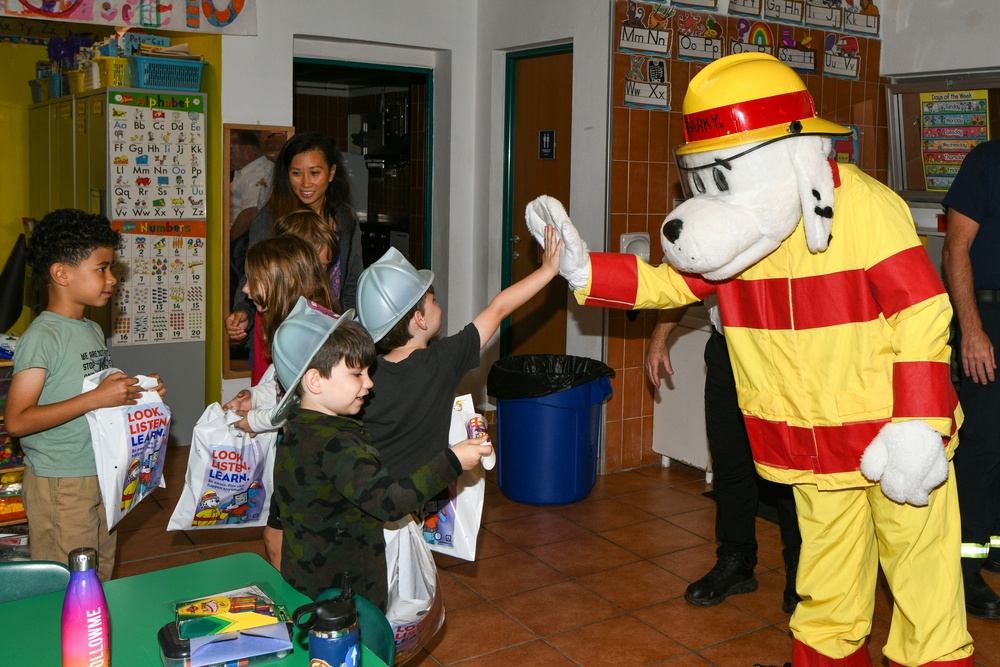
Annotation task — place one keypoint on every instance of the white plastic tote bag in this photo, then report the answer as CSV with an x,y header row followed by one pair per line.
x,y
130,442
415,609
229,479
454,528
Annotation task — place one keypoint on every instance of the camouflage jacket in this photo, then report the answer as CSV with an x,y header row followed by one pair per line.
x,y
333,495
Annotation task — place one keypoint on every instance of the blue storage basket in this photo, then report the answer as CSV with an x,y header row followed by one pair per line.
x,y
166,73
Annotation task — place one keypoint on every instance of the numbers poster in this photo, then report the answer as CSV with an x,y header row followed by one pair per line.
x,y
156,144
160,296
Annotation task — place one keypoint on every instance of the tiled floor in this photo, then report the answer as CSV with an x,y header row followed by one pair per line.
x,y
597,583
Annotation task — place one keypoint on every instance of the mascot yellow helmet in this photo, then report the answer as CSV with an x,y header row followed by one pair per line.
x,y
748,98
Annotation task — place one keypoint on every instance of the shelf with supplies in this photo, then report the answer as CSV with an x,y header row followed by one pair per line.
x,y
11,461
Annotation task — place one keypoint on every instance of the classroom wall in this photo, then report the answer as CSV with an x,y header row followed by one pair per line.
x,y
18,66
939,36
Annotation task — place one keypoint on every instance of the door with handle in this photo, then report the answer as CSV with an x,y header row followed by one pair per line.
x,y
539,125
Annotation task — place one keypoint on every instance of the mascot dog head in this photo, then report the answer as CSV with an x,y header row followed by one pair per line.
x,y
755,162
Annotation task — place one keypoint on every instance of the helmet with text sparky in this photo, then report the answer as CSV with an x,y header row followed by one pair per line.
x,y
748,98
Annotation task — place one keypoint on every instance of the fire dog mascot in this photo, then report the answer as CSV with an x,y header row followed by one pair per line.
x,y
837,326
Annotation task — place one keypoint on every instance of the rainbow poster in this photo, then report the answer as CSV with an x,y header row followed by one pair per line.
x,y
752,37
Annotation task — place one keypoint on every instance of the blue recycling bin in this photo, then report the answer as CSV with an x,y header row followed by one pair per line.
x,y
548,421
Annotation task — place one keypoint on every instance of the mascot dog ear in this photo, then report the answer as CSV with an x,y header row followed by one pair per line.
x,y
815,185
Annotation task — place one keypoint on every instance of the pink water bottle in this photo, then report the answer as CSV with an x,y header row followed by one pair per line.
x,y
86,625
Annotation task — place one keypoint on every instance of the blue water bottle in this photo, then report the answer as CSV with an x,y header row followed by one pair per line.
x,y
334,638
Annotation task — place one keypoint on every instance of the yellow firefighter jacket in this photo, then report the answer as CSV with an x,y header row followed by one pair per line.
x,y
826,348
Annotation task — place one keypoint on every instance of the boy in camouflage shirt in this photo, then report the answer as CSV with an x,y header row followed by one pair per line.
x,y
332,491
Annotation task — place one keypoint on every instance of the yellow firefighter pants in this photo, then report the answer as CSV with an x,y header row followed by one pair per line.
x,y
845,534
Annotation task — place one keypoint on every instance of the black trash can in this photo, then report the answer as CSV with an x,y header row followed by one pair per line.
x,y
548,419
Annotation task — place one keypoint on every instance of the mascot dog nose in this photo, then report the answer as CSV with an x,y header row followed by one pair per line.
x,y
672,229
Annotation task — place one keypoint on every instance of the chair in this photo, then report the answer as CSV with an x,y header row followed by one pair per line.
x,y
21,579
376,632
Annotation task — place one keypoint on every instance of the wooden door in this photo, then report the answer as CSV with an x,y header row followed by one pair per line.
x,y
542,116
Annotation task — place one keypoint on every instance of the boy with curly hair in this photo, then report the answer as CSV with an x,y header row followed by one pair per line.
x,y
71,253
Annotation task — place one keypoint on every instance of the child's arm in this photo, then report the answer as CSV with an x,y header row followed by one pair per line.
x,y
24,416
515,296
355,471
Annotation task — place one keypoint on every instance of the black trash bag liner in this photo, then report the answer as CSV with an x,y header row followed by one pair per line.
x,y
535,375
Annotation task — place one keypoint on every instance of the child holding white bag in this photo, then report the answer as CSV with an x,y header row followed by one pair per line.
x,y
71,252
279,269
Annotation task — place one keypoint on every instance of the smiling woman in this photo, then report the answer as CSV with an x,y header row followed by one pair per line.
x,y
249,160
308,175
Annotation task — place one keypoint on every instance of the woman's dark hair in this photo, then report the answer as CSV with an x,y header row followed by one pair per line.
x,y
68,235
283,199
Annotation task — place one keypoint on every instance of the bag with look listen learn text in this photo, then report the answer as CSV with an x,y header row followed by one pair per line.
x,y
130,442
229,479
453,527
415,609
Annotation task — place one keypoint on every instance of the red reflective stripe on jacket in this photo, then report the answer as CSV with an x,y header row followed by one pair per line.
x,y
700,287
923,389
821,449
614,280
816,301
897,288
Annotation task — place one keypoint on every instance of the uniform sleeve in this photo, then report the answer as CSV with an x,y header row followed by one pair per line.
x,y
356,472
913,301
626,282
971,191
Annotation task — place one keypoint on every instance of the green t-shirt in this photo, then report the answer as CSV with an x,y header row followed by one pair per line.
x,y
69,350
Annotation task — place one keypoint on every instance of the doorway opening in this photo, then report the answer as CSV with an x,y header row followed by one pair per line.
x,y
380,116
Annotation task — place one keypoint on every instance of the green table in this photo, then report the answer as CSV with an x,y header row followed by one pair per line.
x,y
139,607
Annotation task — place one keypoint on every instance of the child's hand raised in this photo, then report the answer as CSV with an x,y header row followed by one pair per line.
x,y
117,389
470,451
553,247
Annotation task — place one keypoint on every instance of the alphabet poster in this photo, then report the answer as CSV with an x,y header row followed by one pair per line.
x,y
156,143
652,34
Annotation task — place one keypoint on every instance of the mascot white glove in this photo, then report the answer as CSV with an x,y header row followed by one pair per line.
x,y
908,459
574,261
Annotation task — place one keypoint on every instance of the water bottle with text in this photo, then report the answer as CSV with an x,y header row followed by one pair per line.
x,y
86,624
